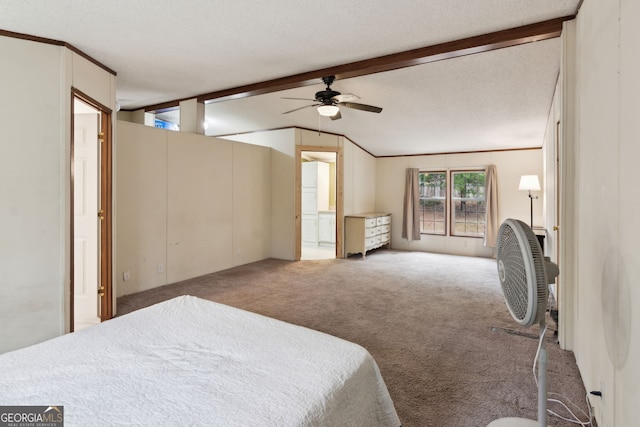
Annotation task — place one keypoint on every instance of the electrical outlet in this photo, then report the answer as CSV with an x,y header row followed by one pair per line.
x,y
125,276
160,268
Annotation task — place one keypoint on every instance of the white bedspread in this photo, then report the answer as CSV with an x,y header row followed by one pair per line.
x,y
189,361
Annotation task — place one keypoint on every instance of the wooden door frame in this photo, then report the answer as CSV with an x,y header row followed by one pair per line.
x,y
339,195
106,204
556,225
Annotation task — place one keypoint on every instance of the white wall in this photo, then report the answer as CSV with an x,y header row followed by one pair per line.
x,y
283,187
141,207
549,152
32,211
252,207
199,205
187,205
622,311
512,203
607,262
359,179
35,82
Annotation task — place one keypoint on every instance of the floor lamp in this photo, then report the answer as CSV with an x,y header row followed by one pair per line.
x,y
530,183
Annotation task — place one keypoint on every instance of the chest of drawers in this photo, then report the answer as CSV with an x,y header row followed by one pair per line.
x,y
366,231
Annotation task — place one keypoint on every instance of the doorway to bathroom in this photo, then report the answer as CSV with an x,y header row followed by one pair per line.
x,y
318,196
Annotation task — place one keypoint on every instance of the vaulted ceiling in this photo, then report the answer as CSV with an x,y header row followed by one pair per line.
x,y
450,75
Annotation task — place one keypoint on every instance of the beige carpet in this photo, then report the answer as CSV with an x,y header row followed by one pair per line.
x,y
427,319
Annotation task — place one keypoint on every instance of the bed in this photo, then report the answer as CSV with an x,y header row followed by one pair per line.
x,y
189,361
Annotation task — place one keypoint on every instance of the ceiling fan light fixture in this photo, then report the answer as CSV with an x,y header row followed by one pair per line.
x,y
328,110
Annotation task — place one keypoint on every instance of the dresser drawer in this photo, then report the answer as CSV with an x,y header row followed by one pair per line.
x,y
384,229
382,239
370,242
382,220
370,222
370,232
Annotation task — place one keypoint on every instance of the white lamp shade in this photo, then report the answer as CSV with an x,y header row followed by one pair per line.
x,y
529,182
328,110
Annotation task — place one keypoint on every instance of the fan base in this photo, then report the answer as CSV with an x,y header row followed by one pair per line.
x,y
514,422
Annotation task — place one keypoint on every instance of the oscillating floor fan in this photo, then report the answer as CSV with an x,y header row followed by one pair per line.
x,y
524,276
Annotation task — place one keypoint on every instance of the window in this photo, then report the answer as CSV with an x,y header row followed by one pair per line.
x,y
460,192
433,195
468,204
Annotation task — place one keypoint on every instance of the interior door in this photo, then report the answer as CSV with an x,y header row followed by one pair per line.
x,y
91,163
105,285
86,239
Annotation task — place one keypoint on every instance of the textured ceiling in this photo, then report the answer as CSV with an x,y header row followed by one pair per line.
x,y
166,50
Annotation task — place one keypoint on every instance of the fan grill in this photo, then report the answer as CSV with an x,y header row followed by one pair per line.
x,y
511,266
522,272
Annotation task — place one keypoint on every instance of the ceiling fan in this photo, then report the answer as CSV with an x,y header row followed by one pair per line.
x,y
328,101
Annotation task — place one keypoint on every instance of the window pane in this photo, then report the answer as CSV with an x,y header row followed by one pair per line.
x,y
468,204
433,192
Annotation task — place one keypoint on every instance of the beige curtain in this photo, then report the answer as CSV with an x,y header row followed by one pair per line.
x,y
411,211
491,200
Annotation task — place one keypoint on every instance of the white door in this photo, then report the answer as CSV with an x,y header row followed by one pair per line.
x,y
85,205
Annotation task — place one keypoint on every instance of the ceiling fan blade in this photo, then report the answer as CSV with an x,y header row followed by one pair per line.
x,y
362,107
336,116
345,97
300,108
299,99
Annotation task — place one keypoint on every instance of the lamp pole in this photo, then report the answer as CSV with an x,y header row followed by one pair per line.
x,y
528,183
531,207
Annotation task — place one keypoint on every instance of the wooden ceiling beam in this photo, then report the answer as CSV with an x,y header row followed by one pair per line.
x,y
468,46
